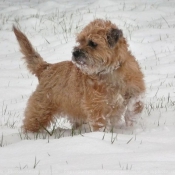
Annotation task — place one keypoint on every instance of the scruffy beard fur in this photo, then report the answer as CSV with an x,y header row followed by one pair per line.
x,y
102,83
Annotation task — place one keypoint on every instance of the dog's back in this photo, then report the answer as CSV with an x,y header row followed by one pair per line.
x,y
35,62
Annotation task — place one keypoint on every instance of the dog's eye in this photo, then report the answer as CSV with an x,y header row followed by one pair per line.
x,y
92,44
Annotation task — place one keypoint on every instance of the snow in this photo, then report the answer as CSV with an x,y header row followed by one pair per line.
x,y
51,26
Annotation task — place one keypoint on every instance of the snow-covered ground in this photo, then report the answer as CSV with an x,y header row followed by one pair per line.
x,y
147,149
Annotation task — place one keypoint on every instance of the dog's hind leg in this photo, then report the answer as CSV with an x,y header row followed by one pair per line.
x,y
39,113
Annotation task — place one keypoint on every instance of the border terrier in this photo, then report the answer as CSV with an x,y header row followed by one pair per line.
x,y
102,83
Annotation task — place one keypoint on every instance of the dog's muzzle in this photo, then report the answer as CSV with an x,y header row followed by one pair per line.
x,y
79,57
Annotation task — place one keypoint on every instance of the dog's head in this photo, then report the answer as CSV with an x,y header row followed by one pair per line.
x,y
99,47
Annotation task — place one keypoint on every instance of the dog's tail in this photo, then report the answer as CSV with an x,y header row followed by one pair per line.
x,y
35,62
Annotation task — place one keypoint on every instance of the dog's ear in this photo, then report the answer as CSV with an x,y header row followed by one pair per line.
x,y
113,36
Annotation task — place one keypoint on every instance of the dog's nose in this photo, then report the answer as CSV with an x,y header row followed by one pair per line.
x,y
76,53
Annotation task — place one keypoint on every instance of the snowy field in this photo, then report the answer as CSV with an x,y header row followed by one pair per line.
x,y
147,149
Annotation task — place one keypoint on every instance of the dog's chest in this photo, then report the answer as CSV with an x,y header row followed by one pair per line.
x,y
104,96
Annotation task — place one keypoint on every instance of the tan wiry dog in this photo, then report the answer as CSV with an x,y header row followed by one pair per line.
x,y
102,83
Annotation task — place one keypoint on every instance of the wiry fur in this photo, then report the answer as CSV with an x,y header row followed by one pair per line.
x,y
35,62
103,81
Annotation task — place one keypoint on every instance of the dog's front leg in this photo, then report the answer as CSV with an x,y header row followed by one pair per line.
x,y
97,123
134,108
